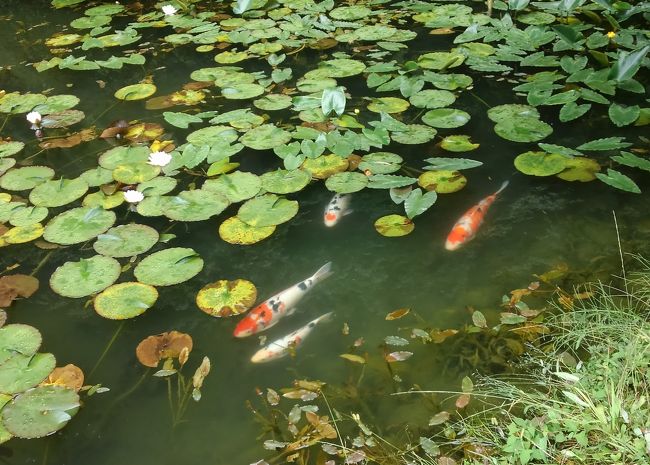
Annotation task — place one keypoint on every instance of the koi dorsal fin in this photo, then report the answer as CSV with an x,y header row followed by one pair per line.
x,y
503,186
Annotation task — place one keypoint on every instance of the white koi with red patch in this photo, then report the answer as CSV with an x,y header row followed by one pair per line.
x,y
281,347
269,312
337,209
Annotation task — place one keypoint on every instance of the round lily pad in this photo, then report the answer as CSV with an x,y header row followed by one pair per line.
x,y
97,176
381,162
235,231
346,183
388,105
85,277
375,32
431,98
540,163
123,154
6,164
21,179
350,13
8,149
196,205
414,134
78,225
57,103
101,200
152,206
104,10
265,137
442,181
18,338
536,18
56,193
458,143
524,129
160,185
213,135
236,187
63,40
169,266
125,300
446,118
315,85
267,210
40,411
270,102
28,216
341,67
441,60
135,91
242,91
126,240
511,110
285,181
89,22
324,166
4,434
394,226
228,57
20,372
134,173
579,169
22,234
227,298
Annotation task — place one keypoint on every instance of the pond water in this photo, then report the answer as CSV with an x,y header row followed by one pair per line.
x,y
535,224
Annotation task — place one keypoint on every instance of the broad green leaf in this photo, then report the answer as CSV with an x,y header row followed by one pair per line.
x,y
417,203
619,180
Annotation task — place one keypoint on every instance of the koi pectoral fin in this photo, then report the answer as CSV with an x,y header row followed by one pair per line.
x,y
291,311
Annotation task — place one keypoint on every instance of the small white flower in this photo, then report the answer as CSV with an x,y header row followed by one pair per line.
x,y
34,117
169,10
159,158
133,196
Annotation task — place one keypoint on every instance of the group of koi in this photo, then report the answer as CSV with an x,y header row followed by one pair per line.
x,y
272,310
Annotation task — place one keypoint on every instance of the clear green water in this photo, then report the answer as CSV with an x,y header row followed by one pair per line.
x,y
535,224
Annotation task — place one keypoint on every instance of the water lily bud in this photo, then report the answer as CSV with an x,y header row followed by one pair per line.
x,y
34,117
200,373
169,10
183,356
133,196
159,159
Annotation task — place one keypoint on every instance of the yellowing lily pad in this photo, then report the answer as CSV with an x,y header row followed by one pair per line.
x,y
540,163
458,143
169,266
388,105
22,234
442,181
226,298
125,300
579,169
324,166
235,231
135,91
394,226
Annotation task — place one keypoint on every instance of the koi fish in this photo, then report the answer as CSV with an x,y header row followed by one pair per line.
x,y
466,227
281,347
337,209
269,312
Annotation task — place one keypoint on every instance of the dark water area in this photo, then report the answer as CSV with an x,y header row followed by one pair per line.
x,y
535,224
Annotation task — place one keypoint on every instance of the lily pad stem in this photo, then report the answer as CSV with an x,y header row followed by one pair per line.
x,y
487,105
42,262
106,349
5,122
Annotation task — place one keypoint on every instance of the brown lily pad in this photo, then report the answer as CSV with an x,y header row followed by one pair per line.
x,y
14,286
70,376
161,346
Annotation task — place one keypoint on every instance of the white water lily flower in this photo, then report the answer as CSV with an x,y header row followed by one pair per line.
x,y
169,10
34,117
133,196
159,158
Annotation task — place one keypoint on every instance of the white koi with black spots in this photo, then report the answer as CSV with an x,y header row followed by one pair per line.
x,y
337,209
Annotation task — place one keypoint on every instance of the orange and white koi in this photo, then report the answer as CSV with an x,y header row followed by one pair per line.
x,y
281,347
269,312
337,209
466,227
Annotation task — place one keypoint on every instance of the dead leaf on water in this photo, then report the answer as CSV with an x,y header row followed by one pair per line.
x,y
353,358
441,31
160,346
462,401
439,418
69,375
440,336
16,285
398,356
397,314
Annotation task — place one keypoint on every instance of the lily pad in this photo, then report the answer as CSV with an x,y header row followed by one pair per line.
x,y
134,173
127,240
226,298
85,277
196,205
511,110
101,200
388,105
56,193
18,339
341,67
446,118
394,226
440,60
135,91
21,179
22,234
285,181
381,162
213,135
157,186
265,137
442,181
62,119
169,266
236,187
267,210
350,13
324,166
10,148
28,216
78,225
579,169
235,231
117,156
540,163
346,183
125,300
97,176
414,134
524,129
458,143
20,372
40,411
242,91
430,98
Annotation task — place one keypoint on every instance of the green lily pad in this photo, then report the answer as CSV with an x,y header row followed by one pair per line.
x,y
346,183
22,234
152,206
125,300
228,57
236,187
285,181
579,169
103,201
267,210
388,105
62,119
6,164
540,163
226,298
126,240
85,277
21,179
235,231
104,10
18,338
510,111
134,173
213,135
375,32
341,67
57,103
157,186
40,411
78,225
97,176
350,13
440,60
196,205
8,149
15,102
242,91
57,193
168,267
458,143
446,118
394,226
431,98
442,181
121,155
449,81
414,134
311,86
63,40
20,372
272,102
536,18
135,91
324,166
265,137
381,162
389,181
28,216
4,434
524,129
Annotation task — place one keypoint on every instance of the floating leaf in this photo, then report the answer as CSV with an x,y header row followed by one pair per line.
x,y
439,418
446,118
442,181
619,180
135,91
226,298
78,225
414,134
388,181
285,181
509,111
267,210
629,159
168,267
126,240
196,205
394,226
430,98
20,372
540,163
398,356
479,319
458,143
622,115
69,376
388,105
18,339
85,277
451,164
21,179
56,193
153,349
10,148
607,143
346,183
417,203
397,314
265,137
524,129
580,169
353,358
235,231
125,300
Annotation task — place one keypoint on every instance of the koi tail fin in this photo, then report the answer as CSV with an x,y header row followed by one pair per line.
x,y
323,272
503,186
326,317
